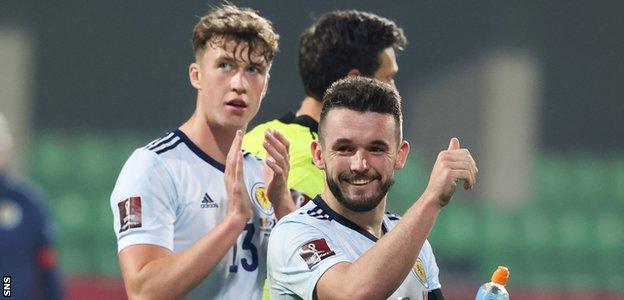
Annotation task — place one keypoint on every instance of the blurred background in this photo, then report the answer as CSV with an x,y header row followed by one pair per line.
x,y
532,88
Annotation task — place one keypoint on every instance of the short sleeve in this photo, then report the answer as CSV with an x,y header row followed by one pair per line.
x,y
431,267
298,255
143,202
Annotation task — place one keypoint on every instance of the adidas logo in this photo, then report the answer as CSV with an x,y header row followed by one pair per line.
x,y
207,202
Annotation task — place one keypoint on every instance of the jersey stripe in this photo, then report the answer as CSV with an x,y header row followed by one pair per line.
x,y
160,144
318,213
175,144
154,142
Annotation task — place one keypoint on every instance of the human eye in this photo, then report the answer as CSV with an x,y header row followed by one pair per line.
x,y
225,65
344,149
255,69
378,149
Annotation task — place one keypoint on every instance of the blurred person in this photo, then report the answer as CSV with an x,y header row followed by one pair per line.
x,y
342,244
27,253
192,212
337,44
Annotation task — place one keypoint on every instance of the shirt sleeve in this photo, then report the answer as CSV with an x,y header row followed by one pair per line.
x,y
298,255
431,267
144,202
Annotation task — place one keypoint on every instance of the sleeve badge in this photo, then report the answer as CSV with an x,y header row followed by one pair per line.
x,y
314,252
130,213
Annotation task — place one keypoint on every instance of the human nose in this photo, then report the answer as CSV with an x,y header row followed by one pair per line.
x,y
237,82
358,162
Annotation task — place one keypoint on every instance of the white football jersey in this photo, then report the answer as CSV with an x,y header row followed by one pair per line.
x,y
170,193
307,242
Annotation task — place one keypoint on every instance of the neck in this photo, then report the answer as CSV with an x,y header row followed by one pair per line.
x,y
310,107
370,221
212,139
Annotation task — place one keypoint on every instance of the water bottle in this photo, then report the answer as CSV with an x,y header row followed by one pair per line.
x,y
495,289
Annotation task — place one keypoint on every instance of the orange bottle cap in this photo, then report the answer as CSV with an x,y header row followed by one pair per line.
x,y
501,275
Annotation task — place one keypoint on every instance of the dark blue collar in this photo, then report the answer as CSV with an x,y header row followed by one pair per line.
x,y
344,221
219,166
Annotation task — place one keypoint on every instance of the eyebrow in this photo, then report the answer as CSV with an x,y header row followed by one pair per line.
x,y
379,143
229,58
343,141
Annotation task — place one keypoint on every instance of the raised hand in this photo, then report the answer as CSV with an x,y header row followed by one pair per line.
x,y
451,166
238,198
277,166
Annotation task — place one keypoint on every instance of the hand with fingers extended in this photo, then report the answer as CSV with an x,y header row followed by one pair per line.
x,y
277,166
451,166
239,203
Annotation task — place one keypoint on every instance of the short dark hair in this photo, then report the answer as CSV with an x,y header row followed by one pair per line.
x,y
363,94
244,25
339,41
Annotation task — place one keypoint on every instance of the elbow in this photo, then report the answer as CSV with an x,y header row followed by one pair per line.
x,y
138,290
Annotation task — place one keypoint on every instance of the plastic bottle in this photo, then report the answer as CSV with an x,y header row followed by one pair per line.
x,y
495,289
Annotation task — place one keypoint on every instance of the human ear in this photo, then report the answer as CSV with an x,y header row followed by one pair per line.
x,y
195,75
402,153
317,154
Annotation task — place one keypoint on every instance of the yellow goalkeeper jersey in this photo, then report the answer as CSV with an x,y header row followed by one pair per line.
x,y
305,180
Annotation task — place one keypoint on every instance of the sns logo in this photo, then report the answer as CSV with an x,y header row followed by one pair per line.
x,y
6,286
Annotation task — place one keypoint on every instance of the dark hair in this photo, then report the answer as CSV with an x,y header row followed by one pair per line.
x,y
244,25
340,41
363,94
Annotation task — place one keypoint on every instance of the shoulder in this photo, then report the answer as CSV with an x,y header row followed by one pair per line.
x,y
153,152
147,165
309,215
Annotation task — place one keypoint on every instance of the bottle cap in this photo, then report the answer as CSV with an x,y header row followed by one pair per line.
x,y
501,275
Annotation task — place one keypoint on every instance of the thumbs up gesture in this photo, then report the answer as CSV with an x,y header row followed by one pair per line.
x,y
453,165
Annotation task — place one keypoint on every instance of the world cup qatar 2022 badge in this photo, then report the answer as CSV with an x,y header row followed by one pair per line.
x,y
130,213
314,252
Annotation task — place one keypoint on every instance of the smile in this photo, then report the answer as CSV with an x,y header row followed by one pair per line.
x,y
360,181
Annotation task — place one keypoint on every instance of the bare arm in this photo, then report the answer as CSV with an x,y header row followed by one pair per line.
x,y
395,253
154,272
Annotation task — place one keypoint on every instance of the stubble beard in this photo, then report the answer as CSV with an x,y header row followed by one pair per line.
x,y
362,203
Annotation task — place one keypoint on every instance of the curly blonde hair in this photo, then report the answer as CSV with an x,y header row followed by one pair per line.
x,y
243,25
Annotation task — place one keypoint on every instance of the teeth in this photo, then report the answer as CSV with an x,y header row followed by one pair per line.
x,y
361,181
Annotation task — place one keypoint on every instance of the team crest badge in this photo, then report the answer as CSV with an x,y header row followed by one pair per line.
x,y
260,199
419,268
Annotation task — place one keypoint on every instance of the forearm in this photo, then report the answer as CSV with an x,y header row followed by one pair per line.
x,y
172,276
284,206
393,255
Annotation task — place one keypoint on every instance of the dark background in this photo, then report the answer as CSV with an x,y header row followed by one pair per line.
x,y
122,65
